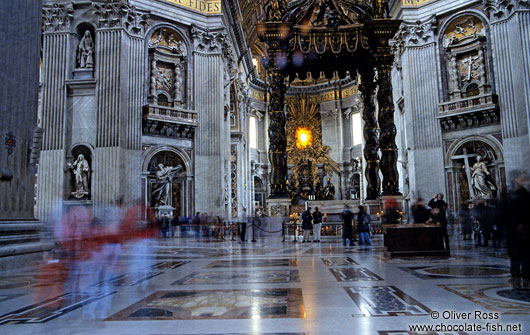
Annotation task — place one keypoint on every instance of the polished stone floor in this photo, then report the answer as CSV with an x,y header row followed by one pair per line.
x,y
269,287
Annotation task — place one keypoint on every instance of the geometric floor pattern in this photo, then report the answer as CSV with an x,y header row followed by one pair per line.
x,y
201,287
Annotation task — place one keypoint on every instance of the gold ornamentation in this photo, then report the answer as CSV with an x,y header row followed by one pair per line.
x,y
303,114
208,7
304,138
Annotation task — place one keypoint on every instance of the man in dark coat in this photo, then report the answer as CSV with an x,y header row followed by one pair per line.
x,y
420,213
347,225
307,225
317,224
363,224
514,217
436,217
438,202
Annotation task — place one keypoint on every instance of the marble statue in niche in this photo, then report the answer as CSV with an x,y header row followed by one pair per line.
x,y
164,176
483,187
85,52
179,84
162,77
329,190
81,170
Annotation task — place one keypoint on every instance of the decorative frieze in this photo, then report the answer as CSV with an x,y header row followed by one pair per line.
x,y
58,18
502,9
119,14
413,34
213,41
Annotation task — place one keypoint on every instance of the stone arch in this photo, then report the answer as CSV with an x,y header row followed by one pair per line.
x,y
490,140
152,152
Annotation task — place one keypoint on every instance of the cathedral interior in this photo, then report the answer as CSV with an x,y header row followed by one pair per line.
x,y
280,167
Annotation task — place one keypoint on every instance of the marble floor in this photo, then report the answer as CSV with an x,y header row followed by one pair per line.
x,y
270,287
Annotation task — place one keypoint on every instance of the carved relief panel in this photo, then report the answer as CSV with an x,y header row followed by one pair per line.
x,y
466,58
167,56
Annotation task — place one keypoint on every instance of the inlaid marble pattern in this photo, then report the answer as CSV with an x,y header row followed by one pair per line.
x,y
216,304
240,277
426,259
129,279
342,251
458,271
354,274
164,265
338,261
497,297
385,301
254,263
49,309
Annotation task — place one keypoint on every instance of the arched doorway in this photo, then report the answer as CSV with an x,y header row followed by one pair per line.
x,y
259,192
463,158
180,187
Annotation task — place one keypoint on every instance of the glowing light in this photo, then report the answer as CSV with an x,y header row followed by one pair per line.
x,y
304,138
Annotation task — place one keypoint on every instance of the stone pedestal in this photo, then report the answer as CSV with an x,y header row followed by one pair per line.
x,y
278,207
414,240
83,74
164,211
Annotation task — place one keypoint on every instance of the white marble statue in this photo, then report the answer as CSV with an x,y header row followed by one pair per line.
x,y
85,52
81,171
482,186
164,175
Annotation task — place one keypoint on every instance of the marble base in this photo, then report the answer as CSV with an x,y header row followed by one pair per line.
x,y
278,207
83,73
164,211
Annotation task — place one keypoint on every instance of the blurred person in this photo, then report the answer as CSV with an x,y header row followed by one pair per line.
x,y
436,217
391,214
184,223
317,225
205,225
484,216
196,224
514,217
465,216
51,280
163,225
363,224
420,213
243,225
307,224
438,202
347,225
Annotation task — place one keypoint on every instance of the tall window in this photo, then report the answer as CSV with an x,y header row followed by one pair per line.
x,y
357,131
253,132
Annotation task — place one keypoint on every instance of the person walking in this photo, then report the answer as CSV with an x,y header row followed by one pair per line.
x,y
514,219
363,224
306,225
317,225
347,225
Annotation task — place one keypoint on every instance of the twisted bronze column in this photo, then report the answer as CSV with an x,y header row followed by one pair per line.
x,y
371,145
277,137
389,150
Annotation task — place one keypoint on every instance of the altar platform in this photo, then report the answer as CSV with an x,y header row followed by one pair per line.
x,y
414,240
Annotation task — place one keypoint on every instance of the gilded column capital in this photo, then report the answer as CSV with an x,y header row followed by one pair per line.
x,y
121,15
503,9
58,17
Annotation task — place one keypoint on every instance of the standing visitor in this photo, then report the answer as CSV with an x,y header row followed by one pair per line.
x,y
347,225
363,224
420,213
514,216
438,218
466,220
243,224
317,225
306,225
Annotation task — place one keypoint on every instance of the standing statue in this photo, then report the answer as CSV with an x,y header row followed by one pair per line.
x,y
85,52
164,175
480,180
329,191
179,84
81,171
